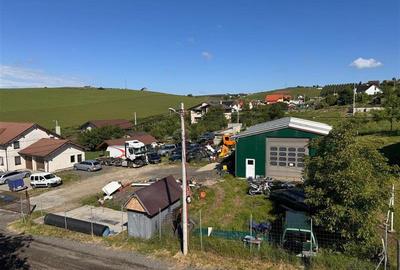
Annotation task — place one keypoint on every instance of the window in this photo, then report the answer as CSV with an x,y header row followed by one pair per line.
x,y
72,159
17,160
79,157
1,161
274,148
250,162
49,176
16,145
273,153
301,149
282,148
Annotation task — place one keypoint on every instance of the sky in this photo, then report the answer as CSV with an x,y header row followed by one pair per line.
x,y
197,47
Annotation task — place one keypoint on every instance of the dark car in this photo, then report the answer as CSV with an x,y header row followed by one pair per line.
x,y
154,158
175,156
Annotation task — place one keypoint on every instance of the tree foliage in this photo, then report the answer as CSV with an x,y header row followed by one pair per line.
x,y
391,103
212,121
347,187
260,114
92,138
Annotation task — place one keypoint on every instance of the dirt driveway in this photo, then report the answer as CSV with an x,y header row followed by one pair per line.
x,y
68,197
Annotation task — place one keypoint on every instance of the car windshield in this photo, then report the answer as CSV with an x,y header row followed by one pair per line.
x,y
96,163
49,176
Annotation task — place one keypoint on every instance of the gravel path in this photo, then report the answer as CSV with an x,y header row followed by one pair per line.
x,y
69,196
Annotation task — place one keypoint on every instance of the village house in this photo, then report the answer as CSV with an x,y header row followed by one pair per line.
x,y
30,146
370,88
275,98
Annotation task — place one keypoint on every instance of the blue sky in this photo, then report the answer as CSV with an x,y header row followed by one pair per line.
x,y
198,47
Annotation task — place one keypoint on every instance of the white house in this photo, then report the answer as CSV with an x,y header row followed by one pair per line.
x,y
17,138
198,111
370,88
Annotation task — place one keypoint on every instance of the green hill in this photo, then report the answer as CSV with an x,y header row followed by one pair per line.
x,y
74,106
293,91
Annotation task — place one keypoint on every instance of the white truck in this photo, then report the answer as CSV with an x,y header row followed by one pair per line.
x,y
133,154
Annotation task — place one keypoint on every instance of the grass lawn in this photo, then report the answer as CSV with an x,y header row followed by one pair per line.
x,y
74,106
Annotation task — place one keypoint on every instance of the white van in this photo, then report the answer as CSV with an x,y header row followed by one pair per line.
x,y
44,180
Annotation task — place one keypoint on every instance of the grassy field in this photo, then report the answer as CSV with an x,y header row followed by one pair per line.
x,y
293,91
74,106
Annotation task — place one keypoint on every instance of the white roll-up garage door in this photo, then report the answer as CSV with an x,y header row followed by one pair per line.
x,y
285,158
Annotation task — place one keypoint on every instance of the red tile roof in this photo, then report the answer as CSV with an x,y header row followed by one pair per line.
x,y
276,97
12,130
122,123
45,146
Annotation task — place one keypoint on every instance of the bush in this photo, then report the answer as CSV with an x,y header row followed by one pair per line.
x,y
92,138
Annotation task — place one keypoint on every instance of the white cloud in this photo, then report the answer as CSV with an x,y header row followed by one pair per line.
x,y
207,55
14,76
361,63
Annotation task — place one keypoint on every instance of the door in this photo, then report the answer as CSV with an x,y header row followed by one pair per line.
x,y
28,162
250,168
40,164
285,158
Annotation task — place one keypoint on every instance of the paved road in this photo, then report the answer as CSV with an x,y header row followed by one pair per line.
x,y
27,252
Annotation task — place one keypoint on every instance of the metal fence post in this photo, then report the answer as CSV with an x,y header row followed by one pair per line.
x,y
386,247
159,223
91,220
122,218
251,229
22,211
201,234
398,255
65,218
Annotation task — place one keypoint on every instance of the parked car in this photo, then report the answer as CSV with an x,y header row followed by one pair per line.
x,y
166,149
154,158
88,165
176,156
4,177
44,180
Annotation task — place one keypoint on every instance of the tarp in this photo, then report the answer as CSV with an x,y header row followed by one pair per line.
x,y
111,187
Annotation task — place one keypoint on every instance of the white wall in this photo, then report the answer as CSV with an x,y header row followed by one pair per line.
x,y
61,160
24,142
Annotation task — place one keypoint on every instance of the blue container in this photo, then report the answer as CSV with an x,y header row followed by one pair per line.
x,y
16,184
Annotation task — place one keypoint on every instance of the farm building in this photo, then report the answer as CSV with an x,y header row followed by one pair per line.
x,y
150,205
116,147
122,123
276,148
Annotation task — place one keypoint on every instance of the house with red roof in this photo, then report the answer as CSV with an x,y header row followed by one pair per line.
x,y
275,98
33,147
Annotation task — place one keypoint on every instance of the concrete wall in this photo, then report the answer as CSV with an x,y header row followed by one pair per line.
x,y
142,226
61,159
30,138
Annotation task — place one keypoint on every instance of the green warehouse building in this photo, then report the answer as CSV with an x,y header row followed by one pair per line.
x,y
276,148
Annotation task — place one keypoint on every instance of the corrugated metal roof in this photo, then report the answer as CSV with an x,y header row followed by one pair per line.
x,y
287,122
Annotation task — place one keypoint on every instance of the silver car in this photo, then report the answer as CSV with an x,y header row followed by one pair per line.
x,y
4,177
166,150
88,165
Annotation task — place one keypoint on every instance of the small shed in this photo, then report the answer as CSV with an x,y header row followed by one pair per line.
x,y
149,205
276,148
